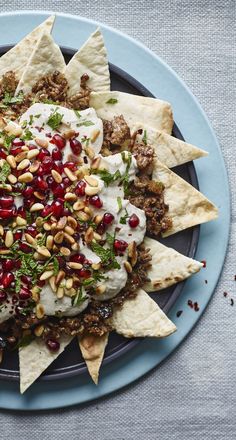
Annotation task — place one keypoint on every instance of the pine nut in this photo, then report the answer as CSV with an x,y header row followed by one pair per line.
x,y
42,250
75,247
6,187
9,239
68,134
11,161
60,276
65,251
20,221
59,237
79,205
69,230
39,311
94,135
70,292
31,154
91,191
25,178
47,226
4,251
100,289
69,283
49,242
30,239
39,195
97,236
1,230
35,293
70,175
23,164
25,148
95,163
98,219
72,222
69,238
43,143
53,227
96,266
128,267
90,152
91,181
12,179
13,130
74,265
89,235
70,197
39,222
62,222
45,275
56,176
36,207
82,216
38,331
52,283
34,167
132,253
21,156
60,292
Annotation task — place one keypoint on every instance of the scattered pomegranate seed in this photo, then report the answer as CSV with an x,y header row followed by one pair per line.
x,y
3,154
53,345
108,218
28,192
59,190
62,262
8,213
41,283
76,146
78,258
24,294
31,230
96,201
8,265
71,165
46,211
40,171
66,181
59,141
26,280
7,279
84,273
17,142
3,296
134,221
47,164
21,212
6,201
43,153
24,247
120,245
18,234
56,154
57,208
101,228
80,188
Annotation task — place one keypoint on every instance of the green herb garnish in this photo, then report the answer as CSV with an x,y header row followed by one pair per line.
x,y
112,101
79,298
27,136
77,114
9,99
106,176
124,218
7,142
85,123
56,266
4,172
25,340
119,203
55,120
145,137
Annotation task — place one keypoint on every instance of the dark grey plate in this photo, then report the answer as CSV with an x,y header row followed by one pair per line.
x,y
70,362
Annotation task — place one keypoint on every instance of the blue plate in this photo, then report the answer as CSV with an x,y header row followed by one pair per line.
x,y
154,74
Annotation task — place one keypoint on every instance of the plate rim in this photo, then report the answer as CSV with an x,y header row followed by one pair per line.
x,y
50,399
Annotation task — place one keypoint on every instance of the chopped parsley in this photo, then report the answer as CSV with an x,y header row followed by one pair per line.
x,y
27,136
85,123
124,218
10,100
79,298
55,120
127,158
119,203
107,256
68,206
4,172
25,340
42,240
106,176
112,101
50,101
7,142
56,266
77,114
145,137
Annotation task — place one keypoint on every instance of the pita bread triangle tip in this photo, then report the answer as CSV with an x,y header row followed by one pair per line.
x,y
93,349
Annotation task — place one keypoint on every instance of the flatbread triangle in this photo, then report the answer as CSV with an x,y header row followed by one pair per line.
x,y
92,349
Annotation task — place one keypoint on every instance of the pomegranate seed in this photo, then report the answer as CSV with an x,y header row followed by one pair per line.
x,y
7,279
78,258
84,273
101,228
24,247
57,208
40,171
47,164
80,188
41,283
3,154
66,181
76,146
46,211
17,142
29,202
40,184
18,264
6,202
31,230
108,218
28,192
96,201
58,166
120,245
53,345
71,165
56,154
18,234
21,212
8,213
62,262
59,191
59,141
8,265
133,221
31,146
14,299
43,153
1,275
24,294
26,280
3,296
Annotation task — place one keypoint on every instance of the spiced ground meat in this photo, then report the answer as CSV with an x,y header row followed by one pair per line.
x,y
49,88
116,134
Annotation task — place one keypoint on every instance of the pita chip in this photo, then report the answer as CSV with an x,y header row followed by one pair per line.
x,y
134,108
168,266
45,59
92,349
17,57
141,316
90,59
168,149
187,206
35,358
